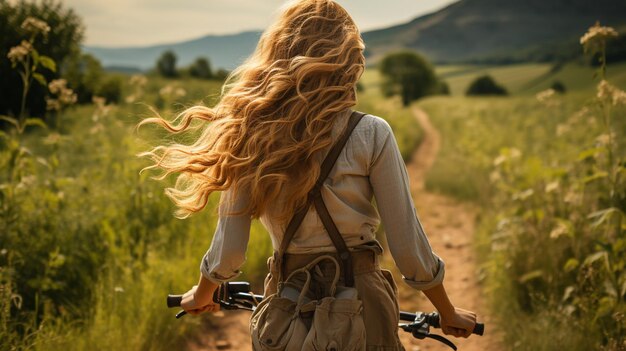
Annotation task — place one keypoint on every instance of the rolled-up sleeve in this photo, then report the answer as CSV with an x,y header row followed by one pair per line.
x,y
421,268
227,253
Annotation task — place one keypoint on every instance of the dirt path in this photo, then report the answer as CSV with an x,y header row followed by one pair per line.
x,y
450,225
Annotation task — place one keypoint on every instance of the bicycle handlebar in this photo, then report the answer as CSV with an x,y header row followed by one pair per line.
x,y
237,295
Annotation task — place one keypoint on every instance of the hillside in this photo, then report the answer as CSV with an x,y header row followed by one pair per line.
x,y
475,30
493,31
225,51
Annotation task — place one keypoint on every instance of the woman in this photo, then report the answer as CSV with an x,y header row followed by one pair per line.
x,y
279,114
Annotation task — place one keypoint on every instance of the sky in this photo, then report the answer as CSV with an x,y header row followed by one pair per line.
x,y
120,23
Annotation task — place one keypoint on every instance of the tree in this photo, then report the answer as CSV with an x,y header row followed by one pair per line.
x,y
201,68
166,64
409,75
62,42
485,85
559,87
84,75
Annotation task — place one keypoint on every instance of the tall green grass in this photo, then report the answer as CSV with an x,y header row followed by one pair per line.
x,y
90,248
550,184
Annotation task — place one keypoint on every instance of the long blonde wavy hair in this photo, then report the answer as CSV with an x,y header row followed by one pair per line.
x,y
275,112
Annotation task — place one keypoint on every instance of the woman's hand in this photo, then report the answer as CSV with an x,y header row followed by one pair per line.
x,y
460,323
199,298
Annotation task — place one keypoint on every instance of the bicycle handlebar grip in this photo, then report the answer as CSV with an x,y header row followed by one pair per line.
x,y
479,329
174,300
433,319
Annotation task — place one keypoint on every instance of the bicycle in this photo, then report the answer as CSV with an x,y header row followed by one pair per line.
x,y
239,296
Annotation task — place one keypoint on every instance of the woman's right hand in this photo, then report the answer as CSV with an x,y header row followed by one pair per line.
x,y
460,323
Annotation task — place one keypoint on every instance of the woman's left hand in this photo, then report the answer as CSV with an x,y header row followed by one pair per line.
x,y
199,299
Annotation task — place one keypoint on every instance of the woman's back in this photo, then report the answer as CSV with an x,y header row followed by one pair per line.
x,y
369,166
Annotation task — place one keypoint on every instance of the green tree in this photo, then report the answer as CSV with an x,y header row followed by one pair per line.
x,y
84,75
166,64
485,85
409,75
61,43
559,87
201,68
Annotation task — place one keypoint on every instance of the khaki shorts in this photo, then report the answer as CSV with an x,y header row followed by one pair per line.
x,y
376,287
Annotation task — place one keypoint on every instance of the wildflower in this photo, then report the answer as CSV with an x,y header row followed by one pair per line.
x,y
611,93
595,39
545,95
552,186
559,230
53,104
166,91
102,109
99,101
19,53
57,85
64,95
35,26
562,128
138,79
180,92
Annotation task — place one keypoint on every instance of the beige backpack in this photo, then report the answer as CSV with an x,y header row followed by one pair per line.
x,y
289,320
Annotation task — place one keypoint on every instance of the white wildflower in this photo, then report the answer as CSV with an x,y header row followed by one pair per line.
x,y
19,53
180,92
611,93
596,37
545,95
166,91
552,186
35,26
56,86
53,104
138,80
64,95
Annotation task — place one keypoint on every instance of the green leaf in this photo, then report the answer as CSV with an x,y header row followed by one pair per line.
x,y
530,276
589,153
11,120
48,63
40,78
604,215
605,306
35,54
35,122
571,265
568,293
594,257
597,175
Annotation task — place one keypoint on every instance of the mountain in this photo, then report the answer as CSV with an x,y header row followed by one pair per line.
x,y
465,31
475,30
224,51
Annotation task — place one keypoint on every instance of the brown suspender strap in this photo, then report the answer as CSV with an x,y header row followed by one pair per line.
x,y
316,196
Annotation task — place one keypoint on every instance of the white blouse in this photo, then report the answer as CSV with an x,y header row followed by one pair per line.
x,y
369,165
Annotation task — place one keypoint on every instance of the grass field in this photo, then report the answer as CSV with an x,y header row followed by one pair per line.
x,y
91,247
526,79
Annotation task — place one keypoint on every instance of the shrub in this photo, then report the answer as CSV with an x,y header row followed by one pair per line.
x,y
485,85
558,87
111,89
201,68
